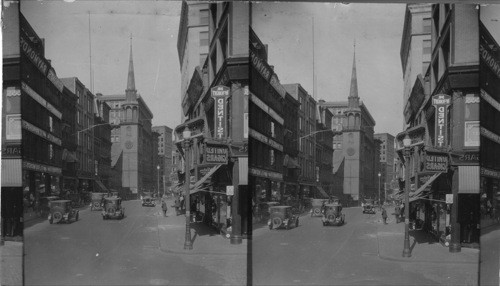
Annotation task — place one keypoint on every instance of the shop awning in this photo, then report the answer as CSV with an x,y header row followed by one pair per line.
x,y
321,191
421,192
102,188
198,185
468,179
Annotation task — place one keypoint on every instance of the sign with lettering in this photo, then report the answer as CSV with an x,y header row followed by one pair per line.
x,y
220,94
436,163
441,103
216,154
12,151
260,65
203,169
40,62
467,158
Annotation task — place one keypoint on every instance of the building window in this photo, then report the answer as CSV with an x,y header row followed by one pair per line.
x,y
426,47
273,133
203,39
51,124
271,157
204,17
426,23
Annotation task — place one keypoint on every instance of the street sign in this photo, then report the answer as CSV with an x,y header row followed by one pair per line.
x,y
216,154
220,94
449,198
441,103
230,190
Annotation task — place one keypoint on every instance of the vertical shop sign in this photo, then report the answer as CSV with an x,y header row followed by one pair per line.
x,y
441,103
220,95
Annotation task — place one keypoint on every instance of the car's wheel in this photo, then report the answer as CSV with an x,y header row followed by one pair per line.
x,y
57,216
331,217
276,222
97,205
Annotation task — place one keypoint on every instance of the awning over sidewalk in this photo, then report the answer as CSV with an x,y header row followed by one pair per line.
x,y
321,191
101,186
198,186
422,192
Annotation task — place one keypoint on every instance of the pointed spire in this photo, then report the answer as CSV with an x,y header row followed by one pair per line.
x,y
131,77
354,78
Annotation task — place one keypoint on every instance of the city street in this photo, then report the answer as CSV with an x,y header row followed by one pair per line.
x,y
144,248
364,251
490,263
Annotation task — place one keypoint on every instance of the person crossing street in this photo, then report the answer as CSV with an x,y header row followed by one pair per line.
x,y
384,215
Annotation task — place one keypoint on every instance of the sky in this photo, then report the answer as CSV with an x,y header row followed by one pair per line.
x,y
377,30
154,27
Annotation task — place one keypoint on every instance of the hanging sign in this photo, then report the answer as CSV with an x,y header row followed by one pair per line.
x,y
215,154
441,103
220,94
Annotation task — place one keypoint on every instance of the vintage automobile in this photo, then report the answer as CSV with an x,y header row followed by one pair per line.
x,y
97,201
61,211
282,217
113,208
317,206
43,209
333,215
368,206
262,210
148,201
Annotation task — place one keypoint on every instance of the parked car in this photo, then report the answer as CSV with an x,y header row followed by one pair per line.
x,y
44,205
317,206
148,201
113,208
97,201
262,210
282,217
61,211
368,207
333,215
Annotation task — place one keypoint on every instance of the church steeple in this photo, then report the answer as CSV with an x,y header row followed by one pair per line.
x,y
131,92
353,93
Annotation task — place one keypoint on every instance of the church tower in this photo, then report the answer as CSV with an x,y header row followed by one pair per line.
x,y
351,138
129,128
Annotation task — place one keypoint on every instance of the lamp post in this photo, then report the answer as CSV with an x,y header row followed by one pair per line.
x,y
379,200
186,145
158,179
406,154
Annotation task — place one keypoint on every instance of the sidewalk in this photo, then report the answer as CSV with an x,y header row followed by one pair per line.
x,y
11,272
205,240
424,248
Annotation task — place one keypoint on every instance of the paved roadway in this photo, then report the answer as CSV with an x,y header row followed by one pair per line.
x,y
490,256
93,251
346,255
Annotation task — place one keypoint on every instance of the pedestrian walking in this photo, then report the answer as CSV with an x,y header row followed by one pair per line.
x,y
397,213
182,202
177,205
164,207
384,215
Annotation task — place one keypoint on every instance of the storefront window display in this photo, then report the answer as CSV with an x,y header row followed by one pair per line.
x,y
489,201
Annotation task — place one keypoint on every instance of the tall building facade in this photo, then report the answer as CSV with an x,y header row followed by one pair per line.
x,y
386,159
102,144
41,93
324,149
442,114
84,134
355,147
12,169
133,150
489,68
224,73
308,178
192,40
165,147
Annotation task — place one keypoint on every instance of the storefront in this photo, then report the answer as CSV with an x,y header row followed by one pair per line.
x,y
489,197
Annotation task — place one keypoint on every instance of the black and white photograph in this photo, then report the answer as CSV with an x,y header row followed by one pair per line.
x,y
182,142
